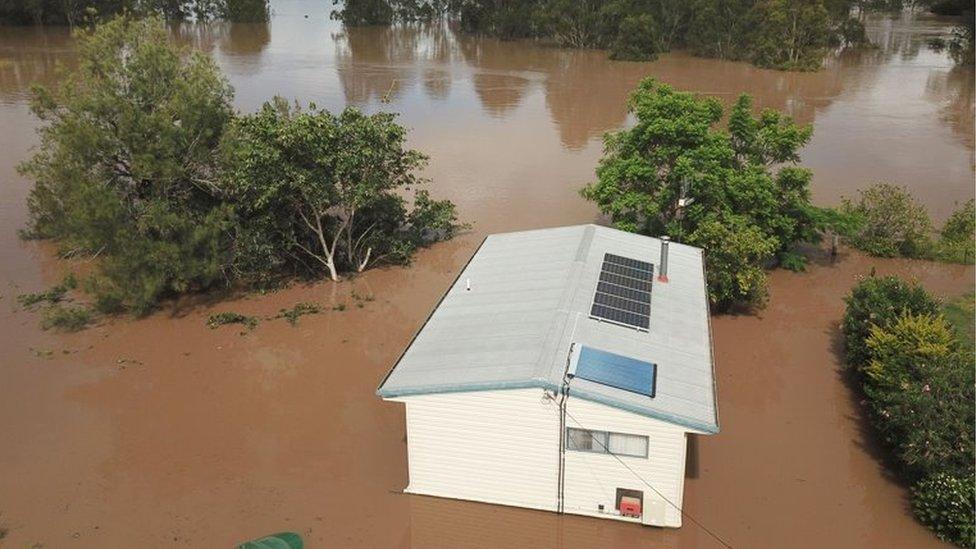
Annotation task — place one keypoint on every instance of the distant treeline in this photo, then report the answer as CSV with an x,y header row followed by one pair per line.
x,y
782,34
76,12
786,34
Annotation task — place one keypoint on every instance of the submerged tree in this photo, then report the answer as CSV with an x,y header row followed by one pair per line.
x,y
721,28
890,222
143,164
675,172
314,188
791,34
126,167
781,34
67,12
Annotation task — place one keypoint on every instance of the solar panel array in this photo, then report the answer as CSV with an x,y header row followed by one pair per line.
x,y
623,294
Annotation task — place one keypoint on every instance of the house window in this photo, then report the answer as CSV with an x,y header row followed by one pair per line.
x,y
603,442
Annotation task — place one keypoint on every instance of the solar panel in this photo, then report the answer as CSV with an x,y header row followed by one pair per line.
x,y
623,294
617,371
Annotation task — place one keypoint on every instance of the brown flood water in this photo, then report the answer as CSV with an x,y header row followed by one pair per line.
x,y
160,432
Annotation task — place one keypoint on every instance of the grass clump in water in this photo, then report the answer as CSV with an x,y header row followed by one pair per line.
x,y
222,319
300,309
66,318
52,295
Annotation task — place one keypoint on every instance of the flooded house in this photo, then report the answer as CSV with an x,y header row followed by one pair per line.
x,y
564,370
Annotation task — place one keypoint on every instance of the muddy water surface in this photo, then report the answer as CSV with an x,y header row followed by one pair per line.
x,y
162,432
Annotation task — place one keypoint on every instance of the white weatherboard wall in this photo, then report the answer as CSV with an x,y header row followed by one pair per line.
x,y
503,447
492,446
592,479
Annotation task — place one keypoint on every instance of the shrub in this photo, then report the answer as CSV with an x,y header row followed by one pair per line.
x,y
919,338
876,302
944,503
920,388
920,391
892,223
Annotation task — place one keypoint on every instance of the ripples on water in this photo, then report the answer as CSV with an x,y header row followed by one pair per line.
x,y
216,436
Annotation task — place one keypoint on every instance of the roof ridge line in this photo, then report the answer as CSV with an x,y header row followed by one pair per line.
x,y
548,361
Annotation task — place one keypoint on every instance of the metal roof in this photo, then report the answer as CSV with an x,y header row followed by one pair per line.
x,y
518,316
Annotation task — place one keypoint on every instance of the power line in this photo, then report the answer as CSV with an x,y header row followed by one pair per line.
x,y
684,513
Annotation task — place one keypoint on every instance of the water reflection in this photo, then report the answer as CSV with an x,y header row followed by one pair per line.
x,y
377,64
898,112
245,39
243,43
953,90
31,55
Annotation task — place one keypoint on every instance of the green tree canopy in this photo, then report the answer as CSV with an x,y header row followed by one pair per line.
x,y
322,191
143,163
60,12
791,34
677,172
126,166
781,34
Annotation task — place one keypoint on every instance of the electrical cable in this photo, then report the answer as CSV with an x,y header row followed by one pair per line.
x,y
684,513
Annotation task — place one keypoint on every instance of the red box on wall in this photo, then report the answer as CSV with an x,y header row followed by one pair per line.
x,y
630,507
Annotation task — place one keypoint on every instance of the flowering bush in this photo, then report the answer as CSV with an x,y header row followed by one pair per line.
x,y
920,392
875,302
944,503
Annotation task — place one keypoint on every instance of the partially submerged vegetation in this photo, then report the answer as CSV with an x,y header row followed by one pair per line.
x,y
299,310
69,318
917,376
735,191
316,191
52,295
217,320
56,313
144,163
250,322
886,221
779,34
53,12
782,34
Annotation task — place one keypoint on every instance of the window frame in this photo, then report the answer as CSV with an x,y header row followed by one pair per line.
x,y
605,446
